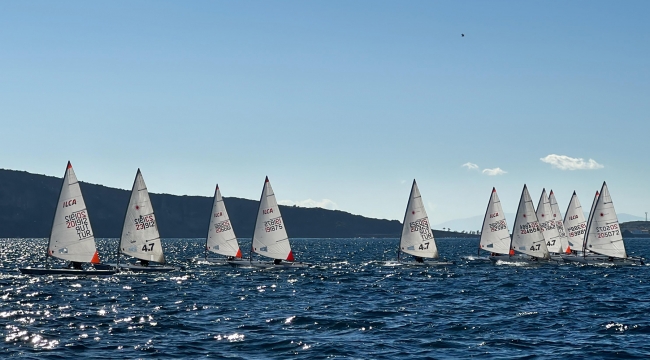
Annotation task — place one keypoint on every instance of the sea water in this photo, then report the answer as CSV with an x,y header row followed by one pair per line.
x,y
352,305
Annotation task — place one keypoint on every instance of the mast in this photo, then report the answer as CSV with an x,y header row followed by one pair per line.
x,y
207,237
406,211
259,206
49,241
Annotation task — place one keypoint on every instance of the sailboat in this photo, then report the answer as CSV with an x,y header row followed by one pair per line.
x,y
417,237
495,237
559,223
221,237
270,237
72,237
576,225
549,227
140,238
527,239
603,242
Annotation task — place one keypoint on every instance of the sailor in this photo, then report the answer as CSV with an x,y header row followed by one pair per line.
x,y
74,265
277,262
144,262
419,259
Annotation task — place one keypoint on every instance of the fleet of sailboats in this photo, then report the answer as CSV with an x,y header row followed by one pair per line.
x,y
538,236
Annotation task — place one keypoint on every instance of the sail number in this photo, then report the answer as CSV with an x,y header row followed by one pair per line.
x,y
550,243
79,221
222,226
273,224
422,226
607,231
577,230
144,222
535,247
147,247
498,226
529,228
424,246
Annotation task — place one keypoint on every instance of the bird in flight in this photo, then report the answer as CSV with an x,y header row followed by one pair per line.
x,y
462,35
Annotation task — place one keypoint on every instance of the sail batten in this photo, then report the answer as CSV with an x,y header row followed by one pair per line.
x,y
495,237
527,237
270,238
140,236
72,236
417,237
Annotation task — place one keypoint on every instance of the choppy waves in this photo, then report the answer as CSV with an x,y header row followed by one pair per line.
x,y
352,305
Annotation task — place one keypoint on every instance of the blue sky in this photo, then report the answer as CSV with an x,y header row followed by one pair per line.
x,y
339,102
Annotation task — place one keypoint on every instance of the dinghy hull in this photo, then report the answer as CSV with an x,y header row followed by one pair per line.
x,y
518,259
268,264
426,263
601,260
44,271
140,268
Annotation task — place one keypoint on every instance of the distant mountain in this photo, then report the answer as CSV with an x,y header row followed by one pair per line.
x,y
475,223
27,203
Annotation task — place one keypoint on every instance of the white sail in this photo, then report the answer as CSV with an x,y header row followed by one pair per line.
x,y
547,224
527,236
417,237
140,237
221,236
559,223
591,214
270,237
604,235
72,236
575,223
495,236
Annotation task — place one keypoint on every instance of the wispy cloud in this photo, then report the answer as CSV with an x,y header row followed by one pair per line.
x,y
493,172
564,162
470,166
325,203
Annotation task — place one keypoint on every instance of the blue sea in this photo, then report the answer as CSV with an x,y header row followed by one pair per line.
x,y
350,306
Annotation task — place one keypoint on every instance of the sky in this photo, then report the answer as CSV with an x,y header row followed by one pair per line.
x,y
341,103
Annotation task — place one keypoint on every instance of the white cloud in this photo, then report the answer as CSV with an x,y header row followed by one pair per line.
x,y
564,162
493,172
470,166
325,203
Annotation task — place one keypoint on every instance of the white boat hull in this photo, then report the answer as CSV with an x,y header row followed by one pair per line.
x,y
267,264
140,268
593,259
216,261
518,258
45,271
426,263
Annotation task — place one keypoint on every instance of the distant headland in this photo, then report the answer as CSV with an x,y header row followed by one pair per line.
x,y
27,203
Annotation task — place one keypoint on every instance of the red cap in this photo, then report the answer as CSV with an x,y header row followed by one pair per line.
x,y
267,179
69,165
